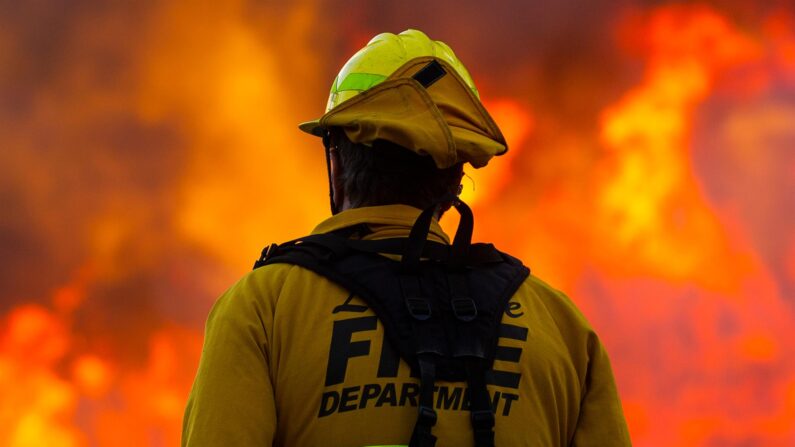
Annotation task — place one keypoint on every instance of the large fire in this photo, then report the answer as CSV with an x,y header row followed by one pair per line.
x,y
147,153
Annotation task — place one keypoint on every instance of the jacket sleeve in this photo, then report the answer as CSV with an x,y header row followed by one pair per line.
x,y
231,402
601,419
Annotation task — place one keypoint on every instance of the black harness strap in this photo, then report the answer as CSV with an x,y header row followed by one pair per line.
x,y
464,341
426,340
410,263
478,254
441,305
426,415
480,408
470,348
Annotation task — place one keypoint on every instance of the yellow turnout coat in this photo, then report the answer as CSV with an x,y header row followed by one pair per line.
x,y
292,359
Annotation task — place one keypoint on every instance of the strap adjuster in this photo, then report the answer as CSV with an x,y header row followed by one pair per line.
x,y
464,309
418,308
427,416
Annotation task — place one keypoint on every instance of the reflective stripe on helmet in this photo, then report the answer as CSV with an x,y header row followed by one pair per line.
x,y
358,81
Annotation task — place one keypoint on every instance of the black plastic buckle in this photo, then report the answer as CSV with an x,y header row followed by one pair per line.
x,y
482,419
464,309
427,416
418,308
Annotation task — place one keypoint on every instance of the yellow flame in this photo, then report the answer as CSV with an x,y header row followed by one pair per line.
x,y
241,97
649,202
36,403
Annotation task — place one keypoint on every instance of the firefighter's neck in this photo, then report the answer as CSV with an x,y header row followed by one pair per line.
x,y
345,205
341,200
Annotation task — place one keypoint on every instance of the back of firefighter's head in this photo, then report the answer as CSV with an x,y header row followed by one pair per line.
x,y
402,118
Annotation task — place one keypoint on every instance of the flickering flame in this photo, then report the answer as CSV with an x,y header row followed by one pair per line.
x,y
651,201
91,374
516,123
658,222
37,403
155,157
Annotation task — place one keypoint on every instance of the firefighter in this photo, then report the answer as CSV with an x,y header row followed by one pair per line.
x,y
377,329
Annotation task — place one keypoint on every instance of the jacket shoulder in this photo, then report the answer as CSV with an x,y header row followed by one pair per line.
x,y
556,304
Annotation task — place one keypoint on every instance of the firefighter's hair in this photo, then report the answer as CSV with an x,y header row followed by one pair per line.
x,y
387,173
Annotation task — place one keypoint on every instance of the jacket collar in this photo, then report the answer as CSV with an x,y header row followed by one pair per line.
x,y
387,221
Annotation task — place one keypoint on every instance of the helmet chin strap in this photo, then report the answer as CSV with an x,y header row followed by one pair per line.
x,y
327,145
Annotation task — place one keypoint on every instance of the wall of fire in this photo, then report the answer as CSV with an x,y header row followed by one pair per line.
x,y
146,148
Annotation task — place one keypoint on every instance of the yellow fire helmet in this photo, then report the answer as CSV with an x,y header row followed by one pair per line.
x,y
414,92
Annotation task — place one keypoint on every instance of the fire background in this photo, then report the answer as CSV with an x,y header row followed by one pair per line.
x,y
148,150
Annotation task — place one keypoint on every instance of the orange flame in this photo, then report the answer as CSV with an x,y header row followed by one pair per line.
x,y
650,203
516,123
146,164
36,402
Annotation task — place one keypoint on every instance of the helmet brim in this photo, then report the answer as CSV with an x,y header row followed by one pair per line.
x,y
312,128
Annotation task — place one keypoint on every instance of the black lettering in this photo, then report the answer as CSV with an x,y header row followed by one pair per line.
x,y
410,392
328,403
369,392
348,307
349,397
446,400
465,401
509,354
513,306
343,349
513,332
509,398
390,360
388,396
503,378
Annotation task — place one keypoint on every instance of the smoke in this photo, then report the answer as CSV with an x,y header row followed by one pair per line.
x,y
146,150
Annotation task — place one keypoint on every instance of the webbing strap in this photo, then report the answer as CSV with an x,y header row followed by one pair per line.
x,y
426,415
478,253
336,246
418,237
481,412
464,307
463,235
